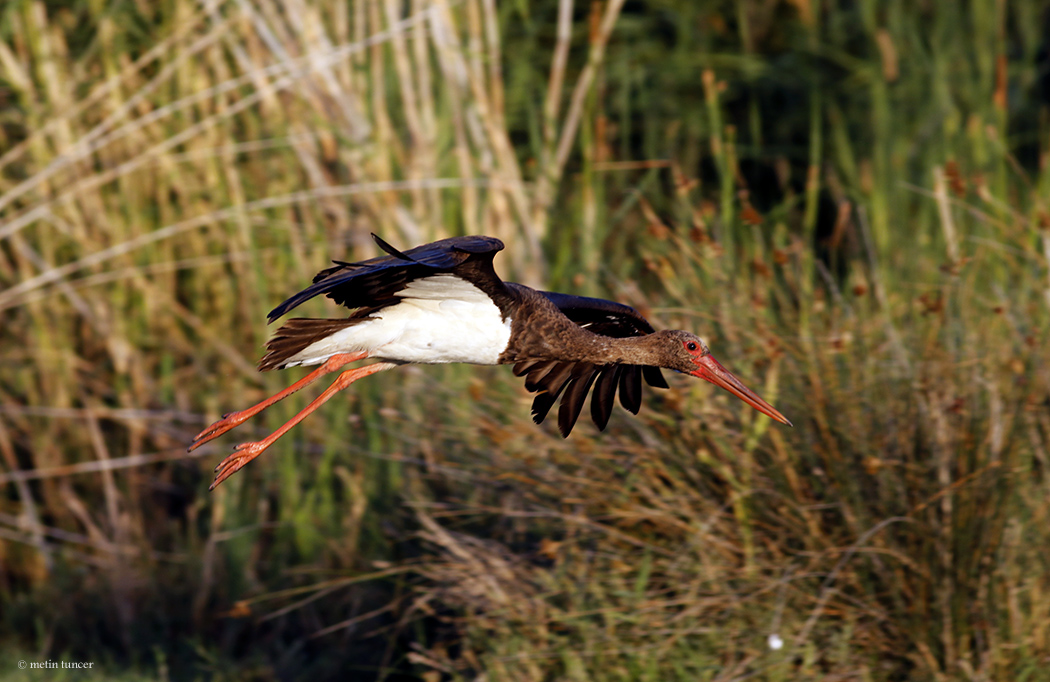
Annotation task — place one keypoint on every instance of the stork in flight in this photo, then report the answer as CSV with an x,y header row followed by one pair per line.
x,y
443,302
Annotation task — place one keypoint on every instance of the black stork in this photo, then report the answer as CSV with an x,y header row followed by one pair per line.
x,y
443,302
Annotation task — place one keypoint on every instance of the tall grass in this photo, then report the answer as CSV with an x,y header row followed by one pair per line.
x,y
849,201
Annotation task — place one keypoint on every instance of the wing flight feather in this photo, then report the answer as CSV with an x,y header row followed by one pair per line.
x,y
550,378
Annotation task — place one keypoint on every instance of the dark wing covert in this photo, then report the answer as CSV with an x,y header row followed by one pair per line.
x,y
374,283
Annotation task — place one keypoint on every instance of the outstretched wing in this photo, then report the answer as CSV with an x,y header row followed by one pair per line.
x,y
551,378
375,283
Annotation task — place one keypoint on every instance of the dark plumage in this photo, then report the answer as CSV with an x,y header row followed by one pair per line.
x,y
375,283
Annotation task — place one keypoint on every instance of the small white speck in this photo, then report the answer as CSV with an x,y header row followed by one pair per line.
x,y
775,643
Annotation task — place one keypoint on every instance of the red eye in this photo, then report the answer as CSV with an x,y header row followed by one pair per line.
x,y
691,345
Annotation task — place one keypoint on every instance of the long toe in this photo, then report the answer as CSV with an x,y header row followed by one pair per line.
x,y
218,428
242,454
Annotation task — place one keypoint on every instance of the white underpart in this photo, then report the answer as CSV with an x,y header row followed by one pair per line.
x,y
439,319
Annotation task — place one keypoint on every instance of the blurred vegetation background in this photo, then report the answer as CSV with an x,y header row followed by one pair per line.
x,y
849,200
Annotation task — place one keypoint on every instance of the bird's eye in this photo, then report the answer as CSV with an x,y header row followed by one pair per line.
x,y
691,345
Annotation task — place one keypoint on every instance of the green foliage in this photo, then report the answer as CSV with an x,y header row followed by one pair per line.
x,y
847,200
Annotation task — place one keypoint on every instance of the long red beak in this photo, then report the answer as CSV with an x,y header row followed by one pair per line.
x,y
711,370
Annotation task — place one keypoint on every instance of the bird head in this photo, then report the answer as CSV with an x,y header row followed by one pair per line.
x,y
690,355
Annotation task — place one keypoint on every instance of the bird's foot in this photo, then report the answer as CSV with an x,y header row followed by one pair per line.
x,y
220,427
242,454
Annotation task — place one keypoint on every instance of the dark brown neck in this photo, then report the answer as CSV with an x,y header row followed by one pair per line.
x,y
541,331
633,350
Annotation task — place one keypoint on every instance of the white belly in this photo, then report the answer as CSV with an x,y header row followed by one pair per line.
x,y
439,319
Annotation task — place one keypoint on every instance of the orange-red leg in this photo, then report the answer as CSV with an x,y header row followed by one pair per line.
x,y
233,419
246,452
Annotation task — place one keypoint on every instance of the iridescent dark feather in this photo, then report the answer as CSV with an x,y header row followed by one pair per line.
x,y
375,283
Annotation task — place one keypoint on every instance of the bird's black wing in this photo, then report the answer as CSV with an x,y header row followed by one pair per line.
x,y
375,283
550,378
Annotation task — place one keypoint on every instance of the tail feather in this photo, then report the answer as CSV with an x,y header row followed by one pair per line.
x,y
296,335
